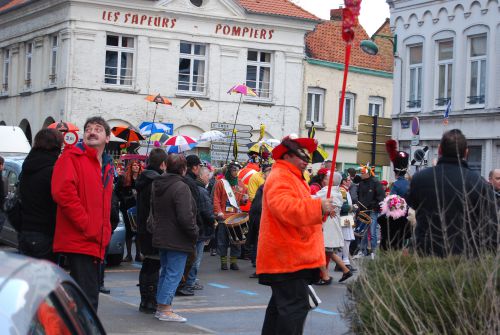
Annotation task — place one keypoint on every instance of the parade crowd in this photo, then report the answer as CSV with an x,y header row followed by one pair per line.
x,y
288,221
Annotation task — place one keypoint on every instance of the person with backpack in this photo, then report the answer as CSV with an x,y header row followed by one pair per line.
x,y
38,212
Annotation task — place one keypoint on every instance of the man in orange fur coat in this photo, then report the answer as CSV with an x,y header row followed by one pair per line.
x,y
291,248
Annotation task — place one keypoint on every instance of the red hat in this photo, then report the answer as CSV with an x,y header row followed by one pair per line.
x,y
384,182
292,143
323,171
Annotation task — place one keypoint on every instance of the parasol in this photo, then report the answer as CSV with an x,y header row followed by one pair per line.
x,y
179,143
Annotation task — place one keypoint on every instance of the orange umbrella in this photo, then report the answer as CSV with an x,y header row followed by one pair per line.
x,y
126,133
158,99
63,126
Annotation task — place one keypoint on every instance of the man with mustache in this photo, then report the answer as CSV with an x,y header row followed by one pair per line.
x,y
82,185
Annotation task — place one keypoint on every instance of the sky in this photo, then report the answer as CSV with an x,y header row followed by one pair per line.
x,y
373,12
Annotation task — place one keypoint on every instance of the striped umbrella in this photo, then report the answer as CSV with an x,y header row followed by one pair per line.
x,y
179,143
126,133
148,128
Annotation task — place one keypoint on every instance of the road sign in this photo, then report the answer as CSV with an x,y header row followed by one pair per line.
x,y
381,130
241,141
221,156
381,121
229,126
364,137
70,137
226,147
363,157
367,146
415,139
415,126
239,134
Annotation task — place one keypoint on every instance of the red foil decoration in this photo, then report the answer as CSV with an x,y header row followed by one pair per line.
x,y
350,19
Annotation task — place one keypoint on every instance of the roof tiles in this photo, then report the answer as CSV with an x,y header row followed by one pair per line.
x,y
277,7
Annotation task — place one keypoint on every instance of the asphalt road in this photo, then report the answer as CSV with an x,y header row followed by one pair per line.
x,y
230,303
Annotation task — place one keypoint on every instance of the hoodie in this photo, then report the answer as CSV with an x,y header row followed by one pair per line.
x,y
39,209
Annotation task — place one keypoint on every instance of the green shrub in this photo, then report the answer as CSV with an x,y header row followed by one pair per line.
x,y
396,294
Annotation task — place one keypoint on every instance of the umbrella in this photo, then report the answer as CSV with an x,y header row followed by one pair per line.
x,y
159,137
148,128
258,146
319,155
157,99
212,135
272,142
126,133
179,143
242,90
63,126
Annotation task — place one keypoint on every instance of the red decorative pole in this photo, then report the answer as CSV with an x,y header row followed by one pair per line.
x,y
349,20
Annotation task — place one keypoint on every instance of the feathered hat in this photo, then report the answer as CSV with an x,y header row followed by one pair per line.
x,y
399,159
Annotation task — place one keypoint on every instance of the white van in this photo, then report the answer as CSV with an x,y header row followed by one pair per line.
x,y
13,141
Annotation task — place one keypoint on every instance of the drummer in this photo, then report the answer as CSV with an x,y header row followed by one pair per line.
x,y
229,194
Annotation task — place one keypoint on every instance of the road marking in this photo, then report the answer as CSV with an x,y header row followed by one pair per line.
x,y
324,311
218,285
219,309
248,292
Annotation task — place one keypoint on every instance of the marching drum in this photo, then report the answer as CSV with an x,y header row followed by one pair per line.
x,y
237,228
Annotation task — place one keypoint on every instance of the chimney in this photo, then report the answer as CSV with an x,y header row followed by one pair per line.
x,y
336,14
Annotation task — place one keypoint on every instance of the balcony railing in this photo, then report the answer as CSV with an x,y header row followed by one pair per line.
x,y
442,101
414,103
475,99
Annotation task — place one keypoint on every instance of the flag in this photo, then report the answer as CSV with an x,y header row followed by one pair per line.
x,y
235,146
447,112
312,131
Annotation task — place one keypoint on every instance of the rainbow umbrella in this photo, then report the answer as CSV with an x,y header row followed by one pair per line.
x,y
157,99
179,143
242,89
159,138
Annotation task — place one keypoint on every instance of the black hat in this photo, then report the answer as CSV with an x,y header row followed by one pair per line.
x,y
193,160
399,159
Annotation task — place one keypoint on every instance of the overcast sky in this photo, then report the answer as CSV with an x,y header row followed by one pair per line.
x,y
373,12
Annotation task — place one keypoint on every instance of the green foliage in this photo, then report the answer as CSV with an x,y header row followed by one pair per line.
x,y
396,294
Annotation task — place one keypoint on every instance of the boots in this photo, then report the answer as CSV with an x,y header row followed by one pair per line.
x,y
234,265
223,263
148,282
148,299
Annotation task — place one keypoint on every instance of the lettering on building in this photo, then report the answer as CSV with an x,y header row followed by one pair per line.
x,y
245,32
138,19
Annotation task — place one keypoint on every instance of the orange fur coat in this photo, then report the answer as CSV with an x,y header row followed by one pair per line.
x,y
290,237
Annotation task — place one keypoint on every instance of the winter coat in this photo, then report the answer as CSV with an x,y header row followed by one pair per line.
x,y
400,187
174,212
370,194
290,235
221,200
206,213
39,209
190,180
82,190
143,187
125,193
454,210
254,216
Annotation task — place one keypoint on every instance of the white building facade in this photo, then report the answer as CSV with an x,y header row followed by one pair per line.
x,y
448,52
71,59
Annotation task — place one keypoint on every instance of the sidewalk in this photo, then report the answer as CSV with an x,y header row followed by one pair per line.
x,y
122,318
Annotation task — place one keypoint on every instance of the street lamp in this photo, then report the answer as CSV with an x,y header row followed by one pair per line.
x,y
371,48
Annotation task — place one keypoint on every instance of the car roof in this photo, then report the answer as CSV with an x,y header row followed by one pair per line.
x,y
24,284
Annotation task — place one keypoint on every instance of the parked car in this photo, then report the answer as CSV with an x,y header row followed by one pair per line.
x,y
37,297
8,235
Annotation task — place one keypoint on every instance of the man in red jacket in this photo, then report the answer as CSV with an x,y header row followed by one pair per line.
x,y
82,185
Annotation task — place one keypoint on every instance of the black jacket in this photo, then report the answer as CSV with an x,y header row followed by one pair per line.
x,y
125,193
454,210
370,194
174,211
190,180
39,209
143,187
254,216
206,213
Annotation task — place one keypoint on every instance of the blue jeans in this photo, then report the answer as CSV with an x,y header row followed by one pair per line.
x,y
172,267
200,245
373,233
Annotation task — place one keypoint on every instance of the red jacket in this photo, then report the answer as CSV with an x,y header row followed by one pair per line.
x,y
82,191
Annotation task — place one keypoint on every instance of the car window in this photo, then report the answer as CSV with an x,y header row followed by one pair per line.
x,y
49,320
81,310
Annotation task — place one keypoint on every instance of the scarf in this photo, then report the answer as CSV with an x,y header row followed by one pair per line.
x,y
233,181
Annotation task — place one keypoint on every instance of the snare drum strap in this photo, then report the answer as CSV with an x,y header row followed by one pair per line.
x,y
230,194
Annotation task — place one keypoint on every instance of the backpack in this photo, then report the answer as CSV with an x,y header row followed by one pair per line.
x,y
12,208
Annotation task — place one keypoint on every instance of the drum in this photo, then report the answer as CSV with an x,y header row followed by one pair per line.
x,y
237,228
132,218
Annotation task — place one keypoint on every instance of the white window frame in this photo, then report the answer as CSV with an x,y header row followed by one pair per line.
x,y
259,91
192,57
372,101
479,59
318,94
441,102
28,64
120,49
349,100
5,70
54,49
414,105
